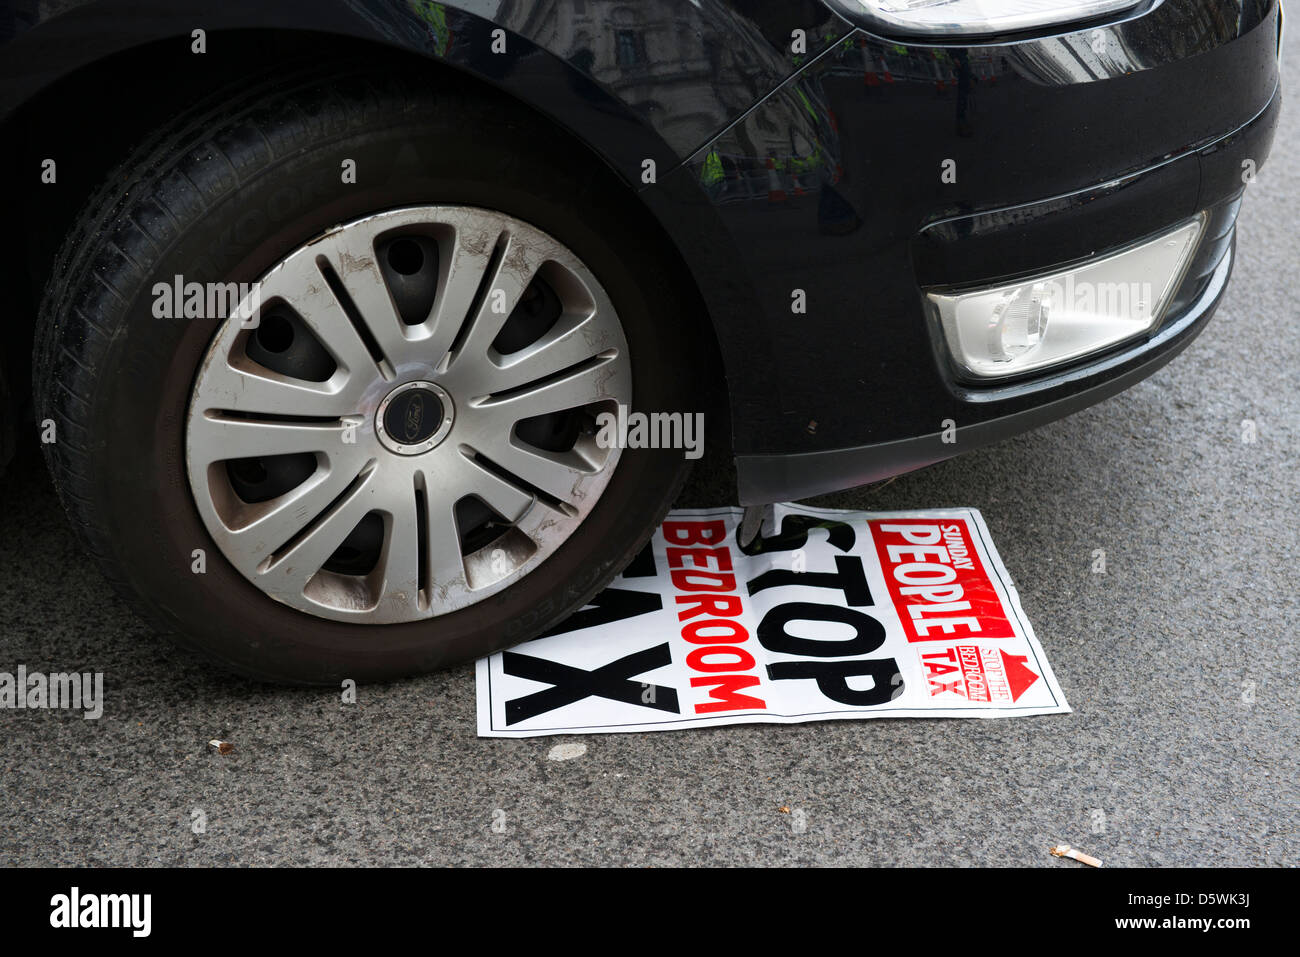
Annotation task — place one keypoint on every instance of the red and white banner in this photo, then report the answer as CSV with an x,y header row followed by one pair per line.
x,y
829,615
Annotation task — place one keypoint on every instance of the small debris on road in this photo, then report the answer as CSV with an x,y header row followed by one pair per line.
x,y
1065,850
567,752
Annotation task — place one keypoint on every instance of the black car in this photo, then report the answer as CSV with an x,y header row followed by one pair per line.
x,y
368,336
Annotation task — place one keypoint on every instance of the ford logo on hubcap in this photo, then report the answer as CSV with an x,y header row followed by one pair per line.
x,y
414,411
412,416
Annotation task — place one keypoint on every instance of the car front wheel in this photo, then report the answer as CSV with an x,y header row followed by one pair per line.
x,y
381,457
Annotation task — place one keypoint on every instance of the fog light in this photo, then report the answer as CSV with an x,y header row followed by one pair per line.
x,y
1019,322
1057,317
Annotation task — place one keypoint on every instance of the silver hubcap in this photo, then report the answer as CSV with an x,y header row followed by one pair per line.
x,y
406,424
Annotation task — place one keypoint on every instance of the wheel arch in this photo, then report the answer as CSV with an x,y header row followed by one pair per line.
x,y
94,103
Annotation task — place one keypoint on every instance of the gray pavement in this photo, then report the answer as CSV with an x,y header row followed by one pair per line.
x,y
1180,662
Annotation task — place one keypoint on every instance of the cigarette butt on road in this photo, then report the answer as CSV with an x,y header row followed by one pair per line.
x,y
1065,850
221,747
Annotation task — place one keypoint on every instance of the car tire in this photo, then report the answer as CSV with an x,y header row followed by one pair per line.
x,y
224,193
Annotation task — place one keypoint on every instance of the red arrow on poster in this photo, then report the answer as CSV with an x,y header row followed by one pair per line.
x,y
1018,676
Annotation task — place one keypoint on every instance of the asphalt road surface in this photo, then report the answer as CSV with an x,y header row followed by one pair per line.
x,y
1179,662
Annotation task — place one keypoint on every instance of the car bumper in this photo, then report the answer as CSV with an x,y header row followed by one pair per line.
x,y
773,478
1060,159
1056,393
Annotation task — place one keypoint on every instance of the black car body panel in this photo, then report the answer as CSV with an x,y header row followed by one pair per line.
x,y
1066,144
1055,166
650,80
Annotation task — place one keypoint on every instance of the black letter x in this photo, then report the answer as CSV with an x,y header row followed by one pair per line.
x,y
574,684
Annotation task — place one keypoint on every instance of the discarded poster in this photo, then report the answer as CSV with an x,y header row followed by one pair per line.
x,y
828,615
